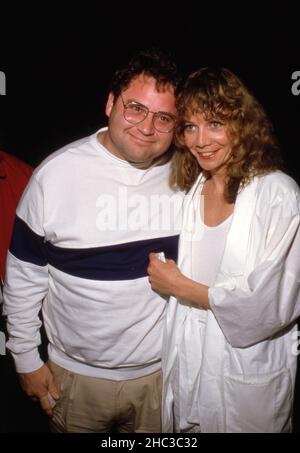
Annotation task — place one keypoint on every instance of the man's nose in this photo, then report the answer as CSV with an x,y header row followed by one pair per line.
x,y
147,125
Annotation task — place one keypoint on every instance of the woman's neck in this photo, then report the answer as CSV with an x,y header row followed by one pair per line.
x,y
217,182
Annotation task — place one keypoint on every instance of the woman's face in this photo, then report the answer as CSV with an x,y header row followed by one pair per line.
x,y
208,140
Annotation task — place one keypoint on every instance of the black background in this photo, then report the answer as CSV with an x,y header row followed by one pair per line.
x,y
58,60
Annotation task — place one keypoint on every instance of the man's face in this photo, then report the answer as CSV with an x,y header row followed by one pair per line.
x,y
139,143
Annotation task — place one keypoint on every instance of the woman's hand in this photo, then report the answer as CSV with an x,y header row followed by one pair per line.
x,y
168,280
165,277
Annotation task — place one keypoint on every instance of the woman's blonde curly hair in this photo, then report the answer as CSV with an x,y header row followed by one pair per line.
x,y
221,95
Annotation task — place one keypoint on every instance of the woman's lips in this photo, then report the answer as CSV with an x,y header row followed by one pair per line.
x,y
207,155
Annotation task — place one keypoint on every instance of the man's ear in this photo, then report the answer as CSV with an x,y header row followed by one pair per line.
x,y
109,104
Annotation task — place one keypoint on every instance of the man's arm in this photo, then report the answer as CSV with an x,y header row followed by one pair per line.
x,y
26,285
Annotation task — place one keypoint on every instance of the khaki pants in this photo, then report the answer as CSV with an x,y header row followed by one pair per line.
x,y
94,405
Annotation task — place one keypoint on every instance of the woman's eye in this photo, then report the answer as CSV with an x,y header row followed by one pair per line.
x,y
189,127
216,124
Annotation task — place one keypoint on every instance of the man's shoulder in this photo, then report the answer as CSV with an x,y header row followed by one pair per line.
x,y
63,154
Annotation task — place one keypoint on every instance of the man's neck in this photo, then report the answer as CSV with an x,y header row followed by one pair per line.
x,y
102,138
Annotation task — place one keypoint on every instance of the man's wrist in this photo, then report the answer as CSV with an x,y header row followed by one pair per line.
x,y
29,361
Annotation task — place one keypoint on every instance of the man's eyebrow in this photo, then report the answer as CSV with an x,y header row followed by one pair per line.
x,y
127,101
135,101
167,113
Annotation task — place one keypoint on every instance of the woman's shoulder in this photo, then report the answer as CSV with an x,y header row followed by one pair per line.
x,y
278,189
277,183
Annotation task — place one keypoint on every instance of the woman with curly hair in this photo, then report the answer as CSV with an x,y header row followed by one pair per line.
x,y
230,348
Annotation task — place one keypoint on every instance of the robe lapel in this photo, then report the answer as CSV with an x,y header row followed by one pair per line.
x,y
236,248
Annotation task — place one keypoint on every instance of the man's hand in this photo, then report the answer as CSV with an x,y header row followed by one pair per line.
x,y
37,384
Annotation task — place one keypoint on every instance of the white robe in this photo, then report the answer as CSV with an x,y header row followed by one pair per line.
x,y
249,344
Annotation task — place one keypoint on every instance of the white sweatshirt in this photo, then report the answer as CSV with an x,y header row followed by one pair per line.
x,y
84,228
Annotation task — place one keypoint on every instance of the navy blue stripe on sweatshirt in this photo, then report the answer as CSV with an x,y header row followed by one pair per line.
x,y
26,245
116,262
126,261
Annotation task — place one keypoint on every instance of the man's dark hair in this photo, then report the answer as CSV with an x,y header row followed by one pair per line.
x,y
152,63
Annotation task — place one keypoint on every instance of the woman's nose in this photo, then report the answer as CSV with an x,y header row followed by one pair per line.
x,y
202,138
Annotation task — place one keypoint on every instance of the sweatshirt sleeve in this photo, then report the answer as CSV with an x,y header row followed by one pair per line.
x,y
26,282
271,299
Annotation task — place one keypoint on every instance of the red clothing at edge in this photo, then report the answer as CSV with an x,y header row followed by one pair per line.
x,y
14,175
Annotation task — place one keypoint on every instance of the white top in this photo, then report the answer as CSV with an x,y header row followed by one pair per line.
x,y
207,246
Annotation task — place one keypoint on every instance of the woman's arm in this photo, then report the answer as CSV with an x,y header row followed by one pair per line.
x,y
269,300
167,279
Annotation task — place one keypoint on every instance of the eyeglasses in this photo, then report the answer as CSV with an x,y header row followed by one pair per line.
x,y
136,113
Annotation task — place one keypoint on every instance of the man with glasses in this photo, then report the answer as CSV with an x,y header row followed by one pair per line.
x,y
90,216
